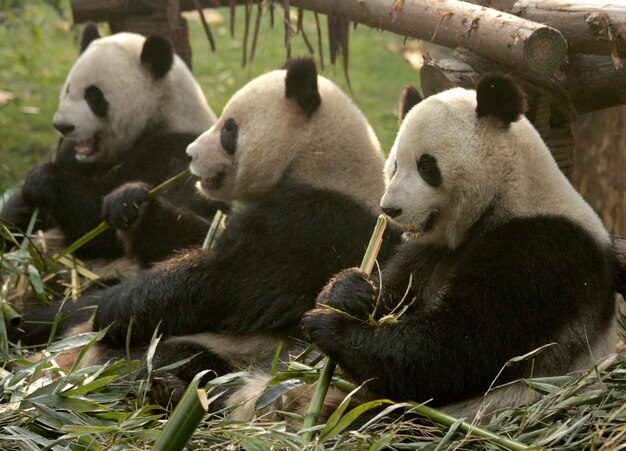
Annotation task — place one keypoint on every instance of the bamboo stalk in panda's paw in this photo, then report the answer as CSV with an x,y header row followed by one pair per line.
x,y
87,237
317,401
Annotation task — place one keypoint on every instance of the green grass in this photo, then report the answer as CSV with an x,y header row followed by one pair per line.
x,y
38,49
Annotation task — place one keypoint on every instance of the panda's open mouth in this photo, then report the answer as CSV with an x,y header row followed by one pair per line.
x,y
426,226
86,148
214,182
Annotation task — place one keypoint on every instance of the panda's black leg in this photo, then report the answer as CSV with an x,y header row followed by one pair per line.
x,y
167,387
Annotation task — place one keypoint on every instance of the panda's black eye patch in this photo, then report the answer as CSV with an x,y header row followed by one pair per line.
x,y
96,101
228,136
429,170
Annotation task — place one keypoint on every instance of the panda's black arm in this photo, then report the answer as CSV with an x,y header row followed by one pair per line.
x,y
72,192
16,214
75,202
499,305
262,275
153,228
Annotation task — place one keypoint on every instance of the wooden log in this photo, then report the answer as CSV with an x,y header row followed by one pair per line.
x,y
594,83
588,82
451,23
590,26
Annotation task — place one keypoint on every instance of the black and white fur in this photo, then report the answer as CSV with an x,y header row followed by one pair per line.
x,y
501,257
307,171
127,111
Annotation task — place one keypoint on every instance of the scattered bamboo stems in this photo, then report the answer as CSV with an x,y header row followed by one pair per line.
x,y
212,233
87,237
184,419
11,317
447,420
317,401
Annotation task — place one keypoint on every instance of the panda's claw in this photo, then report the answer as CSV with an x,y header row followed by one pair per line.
x,y
166,389
351,291
121,208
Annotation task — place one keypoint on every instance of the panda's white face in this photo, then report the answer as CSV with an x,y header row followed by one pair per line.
x,y
440,180
107,99
246,152
264,134
122,86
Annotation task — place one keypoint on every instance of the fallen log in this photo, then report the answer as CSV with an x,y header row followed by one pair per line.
x,y
588,82
503,37
590,26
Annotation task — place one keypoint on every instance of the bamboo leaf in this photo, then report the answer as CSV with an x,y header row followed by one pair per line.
x,y
349,418
273,392
86,388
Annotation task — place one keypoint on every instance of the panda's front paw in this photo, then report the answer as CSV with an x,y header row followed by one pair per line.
x,y
40,185
351,291
121,208
166,389
323,327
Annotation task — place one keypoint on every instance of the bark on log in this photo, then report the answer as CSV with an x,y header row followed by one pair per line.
x,y
590,27
587,83
453,23
503,37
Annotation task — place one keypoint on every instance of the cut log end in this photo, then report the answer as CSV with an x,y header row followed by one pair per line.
x,y
545,50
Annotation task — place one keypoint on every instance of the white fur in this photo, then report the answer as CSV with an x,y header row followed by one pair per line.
x,y
136,99
335,149
482,165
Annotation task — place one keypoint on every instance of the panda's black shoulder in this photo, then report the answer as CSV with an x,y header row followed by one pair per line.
x,y
548,251
163,143
300,215
154,157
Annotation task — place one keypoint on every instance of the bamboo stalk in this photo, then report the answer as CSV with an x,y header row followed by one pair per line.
x,y
212,233
87,237
317,401
184,419
447,420
11,317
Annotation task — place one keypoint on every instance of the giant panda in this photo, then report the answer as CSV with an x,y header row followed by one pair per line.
x,y
127,111
500,257
306,171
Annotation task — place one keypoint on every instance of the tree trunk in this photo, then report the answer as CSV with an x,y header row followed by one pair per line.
x,y
601,164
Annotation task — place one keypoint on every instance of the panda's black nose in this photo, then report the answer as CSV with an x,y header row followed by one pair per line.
x,y
392,212
64,129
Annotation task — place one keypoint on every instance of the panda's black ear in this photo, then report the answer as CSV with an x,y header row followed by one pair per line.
x,y
301,84
90,33
500,97
158,55
409,98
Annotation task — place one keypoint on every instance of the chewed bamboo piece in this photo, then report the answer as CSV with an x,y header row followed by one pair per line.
x,y
317,401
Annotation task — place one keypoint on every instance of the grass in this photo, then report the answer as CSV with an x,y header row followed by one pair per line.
x,y
37,50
